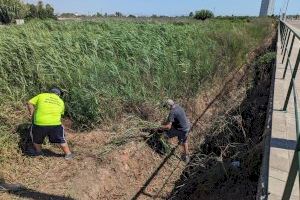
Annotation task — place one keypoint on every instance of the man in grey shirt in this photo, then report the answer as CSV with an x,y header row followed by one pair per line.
x,y
178,126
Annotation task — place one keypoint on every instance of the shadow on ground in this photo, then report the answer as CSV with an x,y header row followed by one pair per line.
x,y
142,191
32,194
23,192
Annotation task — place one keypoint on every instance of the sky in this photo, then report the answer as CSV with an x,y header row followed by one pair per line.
x,y
167,7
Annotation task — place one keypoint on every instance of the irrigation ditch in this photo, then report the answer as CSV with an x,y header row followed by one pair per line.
x,y
227,163
226,142
226,139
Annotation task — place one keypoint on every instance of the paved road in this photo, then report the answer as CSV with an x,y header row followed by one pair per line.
x,y
283,139
295,23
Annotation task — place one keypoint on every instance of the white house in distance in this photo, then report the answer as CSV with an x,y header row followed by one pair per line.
x,y
267,8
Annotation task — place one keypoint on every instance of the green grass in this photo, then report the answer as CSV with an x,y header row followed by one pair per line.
x,y
107,68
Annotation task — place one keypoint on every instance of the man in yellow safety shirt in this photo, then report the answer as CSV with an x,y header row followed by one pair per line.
x,y
46,110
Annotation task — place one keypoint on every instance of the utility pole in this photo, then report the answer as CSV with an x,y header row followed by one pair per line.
x,y
267,8
286,7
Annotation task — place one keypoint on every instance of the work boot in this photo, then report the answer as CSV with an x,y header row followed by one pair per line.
x,y
69,156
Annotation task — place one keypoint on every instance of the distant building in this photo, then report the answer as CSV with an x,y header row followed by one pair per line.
x,y
267,8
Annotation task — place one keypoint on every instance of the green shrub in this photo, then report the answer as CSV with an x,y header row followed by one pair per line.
x,y
267,59
203,14
16,9
40,11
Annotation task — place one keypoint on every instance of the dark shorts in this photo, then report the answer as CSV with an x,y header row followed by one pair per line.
x,y
181,135
56,134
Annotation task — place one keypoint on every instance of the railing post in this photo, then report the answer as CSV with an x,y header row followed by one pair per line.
x,y
284,36
292,175
280,28
296,158
286,39
297,127
286,43
281,33
289,55
291,83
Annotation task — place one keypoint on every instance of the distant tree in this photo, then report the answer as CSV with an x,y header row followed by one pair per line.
x,y
11,10
49,11
191,14
40,11
33,12
163,16
203,14
98,14
131,16
68,15
154,16
118,14
105,14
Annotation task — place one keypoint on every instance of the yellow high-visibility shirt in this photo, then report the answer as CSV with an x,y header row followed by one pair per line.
x,y
48,109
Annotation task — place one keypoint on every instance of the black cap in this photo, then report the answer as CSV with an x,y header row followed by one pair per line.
x,y
56,91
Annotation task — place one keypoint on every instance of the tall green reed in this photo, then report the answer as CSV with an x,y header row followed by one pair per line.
x,y
105,66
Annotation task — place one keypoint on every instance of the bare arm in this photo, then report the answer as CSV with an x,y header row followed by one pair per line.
x,y
30,109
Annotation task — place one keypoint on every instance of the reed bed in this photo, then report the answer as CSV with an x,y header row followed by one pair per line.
x,y
108,67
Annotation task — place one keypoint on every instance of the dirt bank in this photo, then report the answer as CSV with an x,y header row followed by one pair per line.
x,y
227,163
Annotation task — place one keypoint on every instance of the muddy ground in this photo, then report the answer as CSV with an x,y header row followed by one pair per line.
x,y
108,168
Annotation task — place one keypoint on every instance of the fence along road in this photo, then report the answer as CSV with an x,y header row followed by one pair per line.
x,y
283,182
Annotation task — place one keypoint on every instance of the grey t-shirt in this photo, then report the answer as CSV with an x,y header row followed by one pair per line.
x,y
178,118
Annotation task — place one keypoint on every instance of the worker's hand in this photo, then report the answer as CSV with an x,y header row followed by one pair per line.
x,y
30,115
160,130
